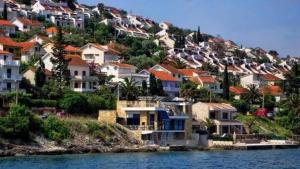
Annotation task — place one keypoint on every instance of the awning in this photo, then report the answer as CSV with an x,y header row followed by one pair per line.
x,y
162,115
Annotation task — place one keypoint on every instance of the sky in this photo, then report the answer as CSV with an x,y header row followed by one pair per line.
x,y
270,24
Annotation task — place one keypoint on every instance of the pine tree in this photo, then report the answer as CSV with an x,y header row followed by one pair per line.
x,y
226,84
40,76
160,88
153,85
5,11
60,71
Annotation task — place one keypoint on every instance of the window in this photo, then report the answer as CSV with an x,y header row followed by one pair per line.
x,y
212,115
78,25
75,73
5,57
83,85
76,85
8,86
8,72
83,73
225,116
173,75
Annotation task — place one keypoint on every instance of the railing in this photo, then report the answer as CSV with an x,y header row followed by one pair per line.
x,y
10,63
11,77
137,127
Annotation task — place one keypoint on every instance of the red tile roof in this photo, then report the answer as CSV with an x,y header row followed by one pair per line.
x,y
8,42
29,22
163,76
207,79
76,61
51,30
6,23
271,90
270,77
122,65
70,48
188,72
26,46
238,90
170,68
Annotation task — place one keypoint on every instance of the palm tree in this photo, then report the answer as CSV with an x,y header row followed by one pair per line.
x,y
129,89
253,95
188,90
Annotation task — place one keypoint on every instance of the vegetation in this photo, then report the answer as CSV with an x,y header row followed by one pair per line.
x,y
226,84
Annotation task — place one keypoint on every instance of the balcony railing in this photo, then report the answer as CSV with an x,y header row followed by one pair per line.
x,y
137,127
11,77
10,63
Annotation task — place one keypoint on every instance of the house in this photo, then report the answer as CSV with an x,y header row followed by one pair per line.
x,y
81,78
98,54
41,39
51,31
25,25
30,50
222,116
165,25
8,27
29,74
259,79
208,82
170,84
166,122
238,91
7,44
120,71
10,76
71,50
168,69
275,91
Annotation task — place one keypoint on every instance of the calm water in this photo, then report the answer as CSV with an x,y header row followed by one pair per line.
x,y
223,159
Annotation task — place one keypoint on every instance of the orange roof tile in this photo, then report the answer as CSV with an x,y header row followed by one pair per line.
x,y
121,65
29,22
163,76
51,30
207,79
238,90
75,60
188,72
6,23
170,68
70,48
270,77
26,46
8,42
271,90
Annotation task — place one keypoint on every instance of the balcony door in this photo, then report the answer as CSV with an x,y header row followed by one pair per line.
x,y
8,73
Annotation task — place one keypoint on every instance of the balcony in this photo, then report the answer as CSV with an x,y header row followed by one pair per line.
x,y
12,77
10,63
83,90
85,78
171,89
137,127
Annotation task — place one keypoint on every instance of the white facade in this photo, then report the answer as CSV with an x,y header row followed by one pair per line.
x,y
10,76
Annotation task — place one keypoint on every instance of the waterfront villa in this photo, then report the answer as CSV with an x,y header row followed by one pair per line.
x,y
220,114
154,121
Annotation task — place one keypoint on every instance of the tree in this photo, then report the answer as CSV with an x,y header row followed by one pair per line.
x,y
253,95
40,76
188,90
241,105
144,88
160,88
291,83
226,84
128,87
199,36
210,68
153,85
60,71
273,53
177,63
75,103
5,11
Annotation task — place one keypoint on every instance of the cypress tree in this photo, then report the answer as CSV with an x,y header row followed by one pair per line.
x,y
160,88
144,88
5,11
60,71
153,85
40,76
199,36
226,84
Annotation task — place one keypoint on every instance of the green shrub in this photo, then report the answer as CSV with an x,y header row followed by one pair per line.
x,y
56,129
75,103
219,138
241,105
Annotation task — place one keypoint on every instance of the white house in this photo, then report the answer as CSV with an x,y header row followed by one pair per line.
x,y
8,27
259,80
165,25
168,69
25,25
10,76
81,78
120,71
98,54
